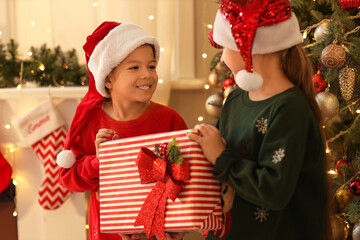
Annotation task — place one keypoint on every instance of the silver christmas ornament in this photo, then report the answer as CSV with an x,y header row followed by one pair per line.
x,y
328,104
321,31
213,104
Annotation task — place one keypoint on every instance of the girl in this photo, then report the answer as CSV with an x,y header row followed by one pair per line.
x,y
269,146
122,62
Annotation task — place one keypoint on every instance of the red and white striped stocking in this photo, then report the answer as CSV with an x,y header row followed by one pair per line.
x,y
51,194
43,129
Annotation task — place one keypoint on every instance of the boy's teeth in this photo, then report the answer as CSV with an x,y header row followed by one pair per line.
x,y
144,87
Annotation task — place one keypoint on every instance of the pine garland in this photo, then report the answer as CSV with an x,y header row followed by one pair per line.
x,y
45,67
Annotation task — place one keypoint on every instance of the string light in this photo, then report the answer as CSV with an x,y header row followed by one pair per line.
x,y
160,81
204,55
200,118
207,86
29,54
151,17
18,87
14,182
327,150
7,126
15,213
305,34
32,23
162,49
42,67
87,226
209,26
332,172
95,4
358,111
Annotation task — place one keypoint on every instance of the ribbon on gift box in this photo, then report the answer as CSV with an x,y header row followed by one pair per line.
x,y
169,180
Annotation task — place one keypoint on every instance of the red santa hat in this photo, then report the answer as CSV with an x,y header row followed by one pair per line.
x,y
254,27
105,49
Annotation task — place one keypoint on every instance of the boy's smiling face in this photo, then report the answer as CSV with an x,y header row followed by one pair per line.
x,y
135,78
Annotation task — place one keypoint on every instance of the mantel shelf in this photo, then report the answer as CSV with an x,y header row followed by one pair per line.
x,y
43,92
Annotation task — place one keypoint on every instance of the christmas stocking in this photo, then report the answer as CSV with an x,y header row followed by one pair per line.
x,y
43,129
5,173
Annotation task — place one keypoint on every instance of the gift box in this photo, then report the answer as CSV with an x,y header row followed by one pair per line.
x,y
197,207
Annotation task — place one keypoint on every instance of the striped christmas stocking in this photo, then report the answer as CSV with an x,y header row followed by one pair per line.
x,y
51,193
43,129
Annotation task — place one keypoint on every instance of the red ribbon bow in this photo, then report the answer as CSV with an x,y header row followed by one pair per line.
x,y
168,180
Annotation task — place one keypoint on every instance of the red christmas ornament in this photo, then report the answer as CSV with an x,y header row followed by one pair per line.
x,y
349,5
339,163
227,83
355,188
319,82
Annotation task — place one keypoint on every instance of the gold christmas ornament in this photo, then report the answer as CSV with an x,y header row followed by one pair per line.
x,y
343,195
347,82
333,56
221,67
340,227
213,79
328,104
213,104
321,31
228,90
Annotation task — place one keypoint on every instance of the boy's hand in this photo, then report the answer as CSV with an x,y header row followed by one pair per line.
x,y
104,135
210,141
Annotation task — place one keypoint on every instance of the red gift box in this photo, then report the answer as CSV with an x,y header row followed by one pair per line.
x,y
196,208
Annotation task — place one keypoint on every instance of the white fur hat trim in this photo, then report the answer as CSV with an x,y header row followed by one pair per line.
x,y
65,159
115,47
268,39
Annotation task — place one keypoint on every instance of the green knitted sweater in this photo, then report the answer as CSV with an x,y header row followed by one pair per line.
x,y
274,159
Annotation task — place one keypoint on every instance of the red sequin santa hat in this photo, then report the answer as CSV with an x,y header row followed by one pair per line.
x,y
254,27
104,49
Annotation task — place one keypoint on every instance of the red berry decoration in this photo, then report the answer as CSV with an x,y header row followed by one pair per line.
x,y
163,150
355,188
319,82
341,162
349,5
227,83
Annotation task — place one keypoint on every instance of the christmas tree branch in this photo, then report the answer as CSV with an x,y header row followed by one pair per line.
x,y
343,132
352,31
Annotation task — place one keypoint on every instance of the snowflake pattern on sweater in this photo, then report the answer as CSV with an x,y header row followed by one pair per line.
x,y
261,125
261,214
278,156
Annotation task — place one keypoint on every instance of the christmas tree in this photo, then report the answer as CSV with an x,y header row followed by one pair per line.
x,y
331,37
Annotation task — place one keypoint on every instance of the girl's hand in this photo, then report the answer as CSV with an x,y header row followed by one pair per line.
x,y
104,135
139,236
174,236
210,141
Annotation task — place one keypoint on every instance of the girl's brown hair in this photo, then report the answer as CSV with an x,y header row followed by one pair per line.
x,y
297,67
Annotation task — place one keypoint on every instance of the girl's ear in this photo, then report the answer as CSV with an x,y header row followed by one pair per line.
x,y
108,83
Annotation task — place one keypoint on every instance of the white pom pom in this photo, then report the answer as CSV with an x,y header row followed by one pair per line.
x,y
65,159
248,81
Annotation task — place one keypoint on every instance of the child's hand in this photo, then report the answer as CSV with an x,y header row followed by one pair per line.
x,y
139,236
210,141
104,135
174,236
